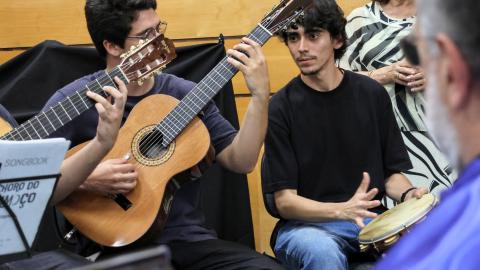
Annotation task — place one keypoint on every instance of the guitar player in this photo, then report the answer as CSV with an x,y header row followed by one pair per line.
x,y
116,25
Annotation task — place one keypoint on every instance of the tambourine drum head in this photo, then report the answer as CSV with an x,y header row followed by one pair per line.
x,y
396,219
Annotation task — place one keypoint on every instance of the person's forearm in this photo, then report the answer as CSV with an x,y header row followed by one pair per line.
x,y
396,185
241,156
380,75
294,207
76,168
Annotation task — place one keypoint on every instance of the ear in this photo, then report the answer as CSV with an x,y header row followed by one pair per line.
x,y
112,48
457,72
337,43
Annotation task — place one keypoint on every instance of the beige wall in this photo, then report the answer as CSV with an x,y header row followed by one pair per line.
x,y
27,22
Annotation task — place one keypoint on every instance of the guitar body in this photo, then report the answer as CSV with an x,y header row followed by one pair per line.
x,y
5,127
102,218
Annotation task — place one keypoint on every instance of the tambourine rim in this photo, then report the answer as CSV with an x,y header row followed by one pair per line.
x,y
401,226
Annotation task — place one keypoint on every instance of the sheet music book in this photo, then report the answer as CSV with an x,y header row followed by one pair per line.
x,y
28,174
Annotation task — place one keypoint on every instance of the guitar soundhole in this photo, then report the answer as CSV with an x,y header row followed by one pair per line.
x,y
151,145
147,147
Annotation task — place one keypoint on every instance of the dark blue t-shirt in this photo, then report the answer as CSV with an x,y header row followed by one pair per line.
x,y
186,219
5,115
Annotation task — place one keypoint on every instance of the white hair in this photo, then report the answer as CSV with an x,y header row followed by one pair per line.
x,y
458,20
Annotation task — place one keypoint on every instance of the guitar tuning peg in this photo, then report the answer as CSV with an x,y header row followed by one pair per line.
x,y
140,82
141,42
132,48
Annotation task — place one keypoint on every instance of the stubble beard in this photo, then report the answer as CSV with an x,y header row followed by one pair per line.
x,y
310,73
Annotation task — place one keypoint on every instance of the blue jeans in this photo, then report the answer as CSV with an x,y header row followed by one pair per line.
x,y
316,246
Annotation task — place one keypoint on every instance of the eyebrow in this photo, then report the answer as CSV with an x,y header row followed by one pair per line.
x,y
312,30
315,30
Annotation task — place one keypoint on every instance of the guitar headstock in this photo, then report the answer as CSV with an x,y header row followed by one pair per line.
x,y
284,14
147,58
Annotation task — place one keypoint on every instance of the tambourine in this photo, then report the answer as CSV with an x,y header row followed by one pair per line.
x,y
386,229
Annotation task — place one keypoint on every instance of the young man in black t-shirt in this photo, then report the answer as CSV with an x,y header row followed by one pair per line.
x,y
333,148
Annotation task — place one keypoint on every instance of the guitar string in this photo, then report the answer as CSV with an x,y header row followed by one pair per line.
x,y
180,111
70,108
156,138
187,102
173,114
31,125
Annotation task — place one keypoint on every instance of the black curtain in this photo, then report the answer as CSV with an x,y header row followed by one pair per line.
x,y
28,80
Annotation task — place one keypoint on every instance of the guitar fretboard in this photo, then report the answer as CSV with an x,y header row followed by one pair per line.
x,y
173,124
47,122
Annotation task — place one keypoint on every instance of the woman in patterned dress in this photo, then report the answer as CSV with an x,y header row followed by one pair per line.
x,y
374,32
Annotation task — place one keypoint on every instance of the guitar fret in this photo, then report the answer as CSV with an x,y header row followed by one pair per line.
x,y
125,78
180,114
194,104
225,79
226,68
217,83
111,80
18,134
254,38
61,105
58,117
81,98
166,126
209,88
38,119
46,116
265,29
26,131
173,124
99,85
68,97
34,129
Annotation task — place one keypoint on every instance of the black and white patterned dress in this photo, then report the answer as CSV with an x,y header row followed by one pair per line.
x,y
373,43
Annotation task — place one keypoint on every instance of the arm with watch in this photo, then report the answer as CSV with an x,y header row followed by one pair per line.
x,y
399,188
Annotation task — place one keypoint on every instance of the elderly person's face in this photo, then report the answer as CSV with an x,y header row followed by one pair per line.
x,y
437,110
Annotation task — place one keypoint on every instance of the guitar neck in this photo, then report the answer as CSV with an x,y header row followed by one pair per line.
x,y
47,122
173,124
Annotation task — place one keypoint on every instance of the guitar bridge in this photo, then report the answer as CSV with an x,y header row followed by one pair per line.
x,y
121,200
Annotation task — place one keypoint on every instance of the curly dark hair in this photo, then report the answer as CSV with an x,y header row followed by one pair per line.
x,y
326,15
112,19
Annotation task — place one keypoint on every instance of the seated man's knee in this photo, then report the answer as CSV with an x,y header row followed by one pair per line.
x,y
310,248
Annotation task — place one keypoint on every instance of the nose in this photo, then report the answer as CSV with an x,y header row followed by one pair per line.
x,y
302,45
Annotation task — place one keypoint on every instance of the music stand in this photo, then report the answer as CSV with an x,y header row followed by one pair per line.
x,y
156,258
29,171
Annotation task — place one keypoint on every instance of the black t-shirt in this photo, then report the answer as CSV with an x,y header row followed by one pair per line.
x,y
319,143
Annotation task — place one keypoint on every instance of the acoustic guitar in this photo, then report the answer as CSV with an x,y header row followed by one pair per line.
x,y
140,63
161,141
